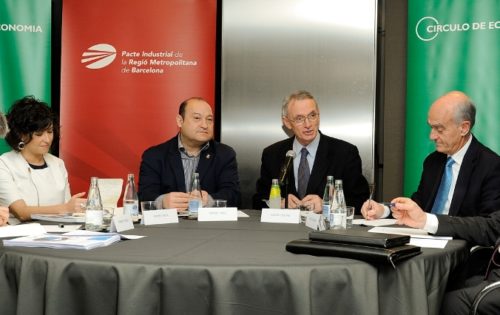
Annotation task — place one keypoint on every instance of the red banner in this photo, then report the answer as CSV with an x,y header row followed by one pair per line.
x,y
126,67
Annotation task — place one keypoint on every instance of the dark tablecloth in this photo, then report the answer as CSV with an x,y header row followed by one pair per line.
x,y
218,268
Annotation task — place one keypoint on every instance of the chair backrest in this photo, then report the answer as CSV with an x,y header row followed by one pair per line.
x,y
481,295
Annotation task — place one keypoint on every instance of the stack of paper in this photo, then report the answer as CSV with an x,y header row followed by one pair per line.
x,y
75,240
63,218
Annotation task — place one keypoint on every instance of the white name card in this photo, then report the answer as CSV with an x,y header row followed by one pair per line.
x,y
218,214
280,216
122,222
163,216
315,221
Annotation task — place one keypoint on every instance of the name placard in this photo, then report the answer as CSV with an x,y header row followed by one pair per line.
x,y
315,221
122,222
218,214
280,216
163,216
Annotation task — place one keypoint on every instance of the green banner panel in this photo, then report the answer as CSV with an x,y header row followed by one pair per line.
x,y
452,45
25,52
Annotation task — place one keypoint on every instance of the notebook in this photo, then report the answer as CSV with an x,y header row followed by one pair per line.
x,y
360,237
370,254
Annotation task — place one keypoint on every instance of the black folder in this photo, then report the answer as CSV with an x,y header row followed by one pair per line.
x,y
370,254
360,237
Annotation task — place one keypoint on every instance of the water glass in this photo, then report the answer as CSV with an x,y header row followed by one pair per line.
x,y
349,216
220,203
148,205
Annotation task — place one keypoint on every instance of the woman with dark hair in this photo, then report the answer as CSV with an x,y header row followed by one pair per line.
x,y
33,181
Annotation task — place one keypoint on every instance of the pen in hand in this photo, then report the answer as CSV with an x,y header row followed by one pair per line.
x,y
372,189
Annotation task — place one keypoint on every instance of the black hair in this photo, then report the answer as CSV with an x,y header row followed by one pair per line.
x,y
27,116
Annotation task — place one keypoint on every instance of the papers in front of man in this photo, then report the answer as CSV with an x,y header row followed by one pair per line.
x,y
419,237
74,240
378,222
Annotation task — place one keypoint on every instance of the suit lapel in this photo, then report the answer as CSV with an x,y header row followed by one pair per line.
x,y
463,179
320,166
175,161
206,158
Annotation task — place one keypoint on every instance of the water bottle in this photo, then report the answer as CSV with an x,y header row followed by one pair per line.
x,y
338,207
195,196
130,199
327,198
275,195
94,213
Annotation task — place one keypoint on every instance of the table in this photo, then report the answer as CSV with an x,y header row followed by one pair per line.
x,y
218,268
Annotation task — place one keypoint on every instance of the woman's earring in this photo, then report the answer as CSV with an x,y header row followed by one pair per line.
x,y
21,145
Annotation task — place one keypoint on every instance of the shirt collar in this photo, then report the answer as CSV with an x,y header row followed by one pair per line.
x,y
458,157
183,150
311,147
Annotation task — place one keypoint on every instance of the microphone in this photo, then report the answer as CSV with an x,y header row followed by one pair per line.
x,y
290,155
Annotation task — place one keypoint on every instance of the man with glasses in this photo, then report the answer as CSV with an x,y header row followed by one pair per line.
x,y
316,157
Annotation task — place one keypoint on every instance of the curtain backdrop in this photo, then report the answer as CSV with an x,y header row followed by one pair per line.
x,y
452,45
126,67
25,52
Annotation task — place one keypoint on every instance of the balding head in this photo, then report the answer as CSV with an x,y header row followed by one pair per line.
x,y
459,105
451,118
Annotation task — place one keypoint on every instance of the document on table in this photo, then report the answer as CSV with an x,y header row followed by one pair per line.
x,y
78,217
67,240
60,228
242,214
419,237
21,230
378,222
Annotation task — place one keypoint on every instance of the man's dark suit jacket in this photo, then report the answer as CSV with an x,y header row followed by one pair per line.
x,y
477,191
477,231
162,172
333,157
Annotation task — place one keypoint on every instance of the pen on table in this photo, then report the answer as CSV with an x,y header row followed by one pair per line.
x,y
389,204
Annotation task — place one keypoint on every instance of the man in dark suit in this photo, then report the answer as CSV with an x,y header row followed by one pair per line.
x,y
167,169
473,170
324,156
477,231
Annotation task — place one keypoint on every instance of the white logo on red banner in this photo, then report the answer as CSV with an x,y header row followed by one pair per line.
x,y
99,56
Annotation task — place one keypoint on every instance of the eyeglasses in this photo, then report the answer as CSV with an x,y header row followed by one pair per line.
x,y
299,120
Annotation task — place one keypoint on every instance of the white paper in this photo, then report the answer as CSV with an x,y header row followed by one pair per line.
x,y
217,214
280,216
67,240
121,223
62,218
428,243
315,221
378,222
61,228
408,231
163,216
242,214
21,230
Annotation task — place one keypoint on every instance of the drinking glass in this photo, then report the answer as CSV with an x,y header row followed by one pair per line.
x,y
349,216
220,203
148,205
